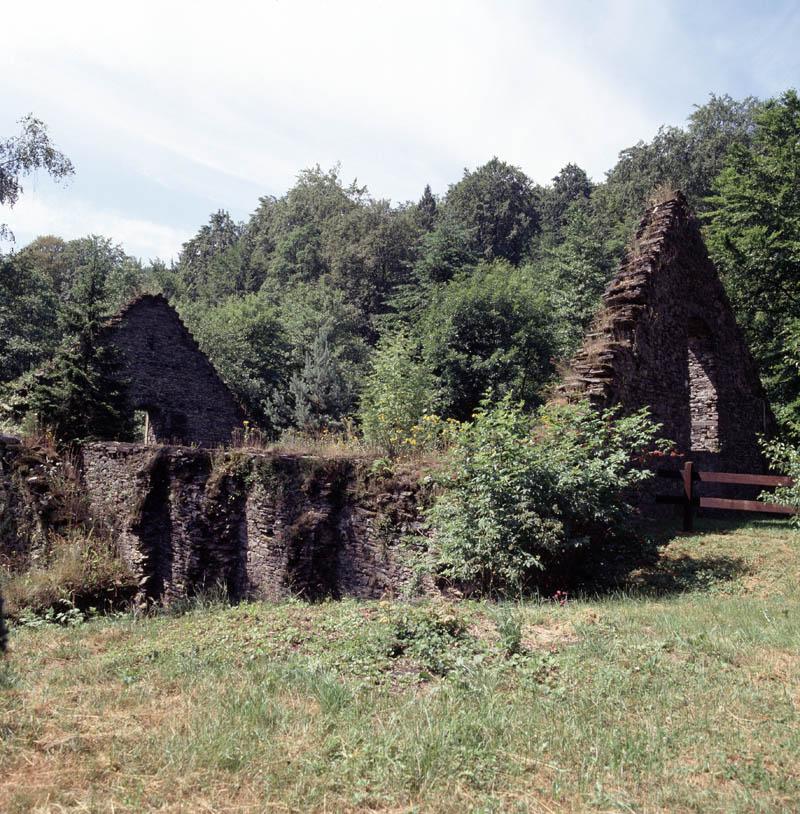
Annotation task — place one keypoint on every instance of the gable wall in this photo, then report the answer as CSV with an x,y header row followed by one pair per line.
x,y
667,339
168,376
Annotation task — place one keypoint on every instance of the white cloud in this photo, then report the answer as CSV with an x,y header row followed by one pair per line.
x,y
35,215
218,103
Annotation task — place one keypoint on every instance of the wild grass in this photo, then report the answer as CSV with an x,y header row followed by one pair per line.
x,y
333,444
678,692
324,444
77,569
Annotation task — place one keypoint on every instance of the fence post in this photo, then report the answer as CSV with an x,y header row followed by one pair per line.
x,y
688,506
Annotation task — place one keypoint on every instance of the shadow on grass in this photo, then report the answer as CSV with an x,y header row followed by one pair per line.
x,y
642,567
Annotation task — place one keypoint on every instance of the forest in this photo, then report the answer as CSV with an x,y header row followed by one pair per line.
x,y
330,310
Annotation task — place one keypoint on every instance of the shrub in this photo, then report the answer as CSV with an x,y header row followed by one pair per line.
x,y
522,491
785,458
398,392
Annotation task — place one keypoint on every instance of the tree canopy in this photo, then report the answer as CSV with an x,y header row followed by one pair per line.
x,y
326,294
31,149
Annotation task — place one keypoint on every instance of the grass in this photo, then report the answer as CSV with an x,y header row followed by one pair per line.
x,y
681,693
77,569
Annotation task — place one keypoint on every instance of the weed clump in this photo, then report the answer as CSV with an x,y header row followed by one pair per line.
x,y
431,637
77,570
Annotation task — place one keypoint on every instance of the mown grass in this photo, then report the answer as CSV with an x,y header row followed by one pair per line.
x,y
680,694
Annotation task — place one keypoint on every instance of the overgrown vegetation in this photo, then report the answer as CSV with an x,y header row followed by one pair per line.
x,y
521,493
77,573
565,704
54,558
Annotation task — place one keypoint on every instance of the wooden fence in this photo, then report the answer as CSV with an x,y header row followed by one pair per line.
x,y
691,501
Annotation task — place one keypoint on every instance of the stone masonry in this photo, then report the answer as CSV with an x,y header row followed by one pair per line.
x,y
168,377
257,525
666,338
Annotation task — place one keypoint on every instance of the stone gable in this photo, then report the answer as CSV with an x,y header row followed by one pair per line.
x,y
168,377
666,338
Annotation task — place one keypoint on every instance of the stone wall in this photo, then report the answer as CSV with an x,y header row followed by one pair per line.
x,y
666,338
168,377
258,525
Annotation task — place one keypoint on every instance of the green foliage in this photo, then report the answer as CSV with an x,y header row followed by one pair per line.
x,y
245,340
754,237
430,637
523,491
491,284
489,330
497,204
52,289
310,309
686,159
576,271
784,458
79,394
399,390
23,154
209,266
509,629
427,209
29,331
571,185
320,394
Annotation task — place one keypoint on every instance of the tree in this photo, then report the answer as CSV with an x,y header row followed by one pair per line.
x,y
308,310
29,302
79,393
427,209
497,204
687,159
245,340
570,185
754,237
50,256
575,272
20,155
320,393
209,265
488,330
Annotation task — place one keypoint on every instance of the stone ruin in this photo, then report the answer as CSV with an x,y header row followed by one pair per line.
x,y
168,378
666,338
256,525
266,525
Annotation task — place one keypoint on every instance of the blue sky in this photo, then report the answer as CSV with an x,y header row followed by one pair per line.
x,y
171,110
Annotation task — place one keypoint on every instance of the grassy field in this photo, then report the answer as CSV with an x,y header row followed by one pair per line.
x,y
681,693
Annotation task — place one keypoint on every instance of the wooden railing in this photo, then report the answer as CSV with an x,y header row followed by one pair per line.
x,y
691,501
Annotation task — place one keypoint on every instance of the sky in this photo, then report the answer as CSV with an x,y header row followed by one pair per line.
x,y
173,110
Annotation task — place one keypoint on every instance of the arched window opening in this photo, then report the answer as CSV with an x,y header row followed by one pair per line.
x,y
703,397
145,424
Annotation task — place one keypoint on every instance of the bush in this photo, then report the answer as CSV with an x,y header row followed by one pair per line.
x,y
398,392
785,458
522,491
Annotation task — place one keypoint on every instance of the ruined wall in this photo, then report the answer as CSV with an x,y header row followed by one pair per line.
x,y
666,338
168,376
260,525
